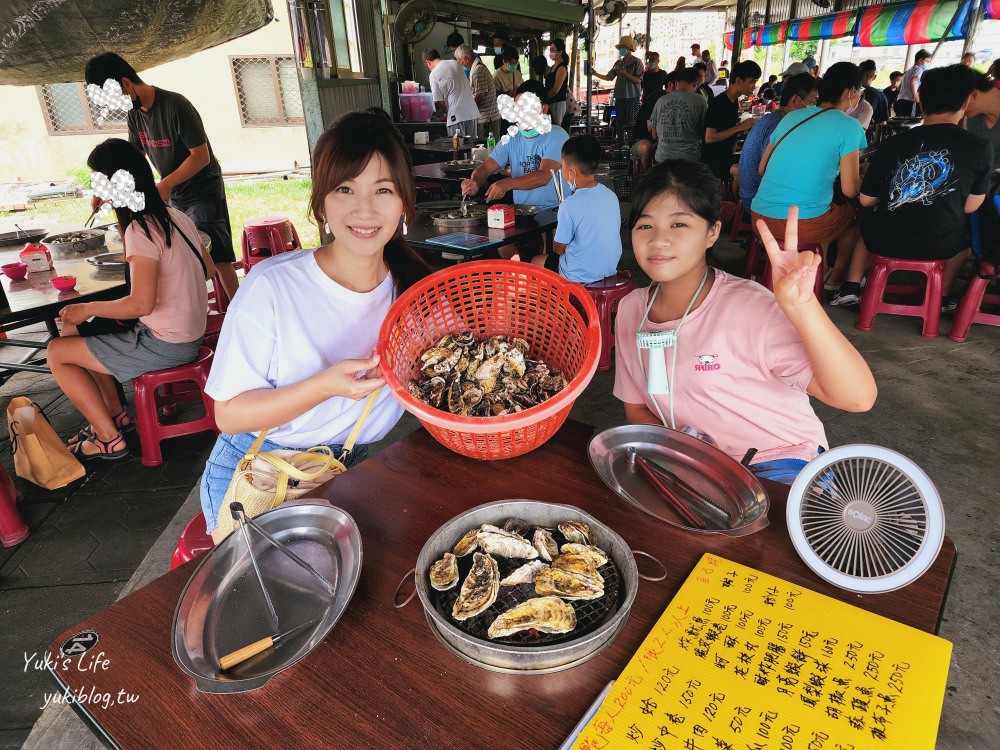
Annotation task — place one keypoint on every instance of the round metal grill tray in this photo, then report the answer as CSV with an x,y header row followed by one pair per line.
x,y
590,613
865,518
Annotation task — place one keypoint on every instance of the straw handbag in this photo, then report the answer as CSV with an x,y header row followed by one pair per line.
x,y
265,479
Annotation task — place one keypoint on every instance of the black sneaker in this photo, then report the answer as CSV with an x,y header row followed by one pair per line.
x,y
847,296
949,303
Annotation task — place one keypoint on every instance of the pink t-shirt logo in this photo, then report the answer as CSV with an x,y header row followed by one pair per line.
x,y
707,363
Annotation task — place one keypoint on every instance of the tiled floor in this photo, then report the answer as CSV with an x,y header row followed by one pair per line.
x,y
937,404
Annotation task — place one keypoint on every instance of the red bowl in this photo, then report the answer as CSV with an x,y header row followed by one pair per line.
x,y
15,271
64,283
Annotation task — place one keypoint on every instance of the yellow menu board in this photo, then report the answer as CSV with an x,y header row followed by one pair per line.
x,y
743,660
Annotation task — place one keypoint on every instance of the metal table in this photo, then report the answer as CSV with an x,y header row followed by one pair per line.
x,y
423,230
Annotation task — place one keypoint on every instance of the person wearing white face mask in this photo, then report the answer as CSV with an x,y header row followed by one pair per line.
x,y
500,43
531,156
557,80
587,246
908,102
627,75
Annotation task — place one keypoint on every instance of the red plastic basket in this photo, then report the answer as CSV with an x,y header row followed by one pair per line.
x,y
493,298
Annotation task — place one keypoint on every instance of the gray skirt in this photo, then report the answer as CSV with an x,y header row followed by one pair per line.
x,y
133,353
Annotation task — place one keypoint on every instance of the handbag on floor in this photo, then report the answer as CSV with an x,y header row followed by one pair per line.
x,y
40,456
265,479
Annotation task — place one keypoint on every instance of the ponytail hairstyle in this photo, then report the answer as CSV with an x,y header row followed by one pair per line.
x,y
342,153
114,154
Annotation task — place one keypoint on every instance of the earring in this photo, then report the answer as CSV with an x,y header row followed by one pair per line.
x,y
326,227
404,225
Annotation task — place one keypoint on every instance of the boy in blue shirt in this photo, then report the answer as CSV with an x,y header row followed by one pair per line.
x,y
588,244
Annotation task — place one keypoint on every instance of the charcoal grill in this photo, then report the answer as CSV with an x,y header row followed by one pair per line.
x,y
599,621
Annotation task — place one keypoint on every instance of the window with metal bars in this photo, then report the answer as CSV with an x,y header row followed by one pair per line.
x,y
68,111
268,91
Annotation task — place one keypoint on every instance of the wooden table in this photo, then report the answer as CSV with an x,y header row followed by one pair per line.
x,y
33,299
524,227
381,679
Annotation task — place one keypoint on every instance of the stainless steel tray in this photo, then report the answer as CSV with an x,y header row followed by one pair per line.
x,y
222,608
109,261
21,237
708,470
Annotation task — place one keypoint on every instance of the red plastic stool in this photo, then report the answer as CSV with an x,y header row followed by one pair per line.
x,y
193,543
148,403
267,236
213,327
218,300
12,527
871,298
739,225
756,260
969,311
634,166
814,247
606,293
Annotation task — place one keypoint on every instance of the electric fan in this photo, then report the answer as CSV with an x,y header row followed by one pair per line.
x,y
865,518
415,20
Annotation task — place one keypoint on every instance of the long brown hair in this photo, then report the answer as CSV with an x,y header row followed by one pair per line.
x,y
342,153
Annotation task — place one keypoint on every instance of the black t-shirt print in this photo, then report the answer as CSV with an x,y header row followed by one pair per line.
x,y
723,113
167,133
922,178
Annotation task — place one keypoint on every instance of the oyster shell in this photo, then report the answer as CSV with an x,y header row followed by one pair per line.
x,y
545,544
467,543
517,526
444,573
525,574
568,585
579,565
594,555
479,589
502,543
547,614
575,531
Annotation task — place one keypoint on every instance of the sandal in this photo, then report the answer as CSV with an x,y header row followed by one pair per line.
x,y
88,432
105,449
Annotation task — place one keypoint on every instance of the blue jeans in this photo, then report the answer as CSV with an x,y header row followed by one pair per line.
x,y
229,450
781,470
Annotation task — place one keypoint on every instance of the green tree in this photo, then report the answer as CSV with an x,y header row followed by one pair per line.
x,y
799,51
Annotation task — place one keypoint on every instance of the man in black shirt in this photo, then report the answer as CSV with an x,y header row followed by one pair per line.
x,y
722,121
892,90
653,79
921,184
165,127
880,105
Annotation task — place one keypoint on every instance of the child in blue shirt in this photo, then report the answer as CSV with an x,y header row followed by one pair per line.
x,y
588,242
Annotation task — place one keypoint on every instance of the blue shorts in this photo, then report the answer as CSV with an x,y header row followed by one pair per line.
x,y
781,470
229,450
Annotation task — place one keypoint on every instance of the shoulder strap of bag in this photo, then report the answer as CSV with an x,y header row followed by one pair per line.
x,y
792,129
254,450
196,251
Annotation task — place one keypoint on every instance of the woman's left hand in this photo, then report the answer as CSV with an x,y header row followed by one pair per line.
x,y
75,314
793,274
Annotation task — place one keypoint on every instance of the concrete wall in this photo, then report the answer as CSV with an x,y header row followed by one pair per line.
x,y
28,152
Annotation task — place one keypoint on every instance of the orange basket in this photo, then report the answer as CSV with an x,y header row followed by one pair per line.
x,y
493,298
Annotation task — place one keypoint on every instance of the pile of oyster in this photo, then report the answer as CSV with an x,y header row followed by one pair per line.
x,y
559,574
489,377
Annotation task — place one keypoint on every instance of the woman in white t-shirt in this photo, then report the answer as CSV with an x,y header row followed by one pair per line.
x,y
159,324
295,356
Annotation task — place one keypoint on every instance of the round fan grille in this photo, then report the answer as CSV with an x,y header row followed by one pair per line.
x,y
865,518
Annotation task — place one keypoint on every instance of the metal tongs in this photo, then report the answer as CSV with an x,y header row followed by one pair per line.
x,y
463,208
689,504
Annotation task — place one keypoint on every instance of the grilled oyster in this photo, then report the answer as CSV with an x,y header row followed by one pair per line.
x,y
479,589
517,526
575,531
467,543
444,573
594,555
568,585
545,544
525,574
547,614
502,543
579,565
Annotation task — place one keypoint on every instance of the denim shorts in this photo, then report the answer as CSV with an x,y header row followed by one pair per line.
x,y
781,470
229,450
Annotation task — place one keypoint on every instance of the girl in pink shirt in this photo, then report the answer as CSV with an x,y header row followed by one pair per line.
x,y
745,361
159,324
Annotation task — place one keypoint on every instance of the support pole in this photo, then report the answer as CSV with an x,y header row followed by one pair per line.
x,y
590,66
975,21
649,25
573,59
741,12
